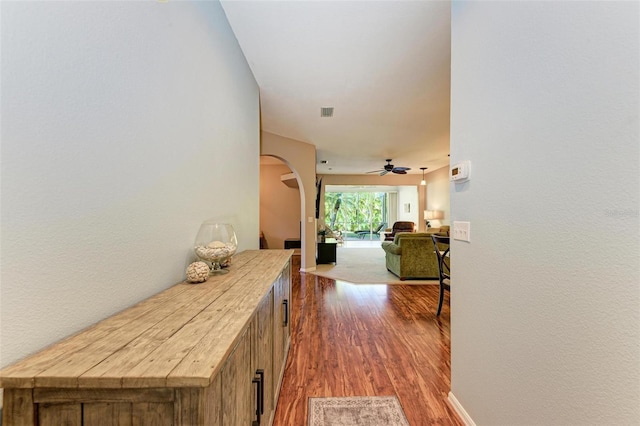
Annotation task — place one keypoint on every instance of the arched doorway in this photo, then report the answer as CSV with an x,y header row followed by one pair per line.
x,y
280,204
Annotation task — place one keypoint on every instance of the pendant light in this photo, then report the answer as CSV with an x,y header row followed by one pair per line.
x,y
423,182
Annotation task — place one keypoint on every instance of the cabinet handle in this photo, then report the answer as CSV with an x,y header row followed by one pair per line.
x,y
257,381
285,302
260,373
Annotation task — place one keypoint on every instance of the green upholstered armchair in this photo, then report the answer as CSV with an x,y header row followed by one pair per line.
x,y
411,255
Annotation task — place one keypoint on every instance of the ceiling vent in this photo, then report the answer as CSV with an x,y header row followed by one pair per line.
x,y
326,112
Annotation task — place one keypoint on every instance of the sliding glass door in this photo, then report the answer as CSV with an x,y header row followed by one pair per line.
x,y
357,214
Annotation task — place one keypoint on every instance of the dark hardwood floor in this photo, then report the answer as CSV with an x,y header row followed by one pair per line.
x,y
361,340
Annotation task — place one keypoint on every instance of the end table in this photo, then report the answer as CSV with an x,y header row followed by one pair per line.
x,y
326,252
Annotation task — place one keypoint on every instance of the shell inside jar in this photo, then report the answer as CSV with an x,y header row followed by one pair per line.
x,y
216,251
216,244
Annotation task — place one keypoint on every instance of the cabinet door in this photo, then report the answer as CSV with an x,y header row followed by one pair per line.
x,y
278,333
262,354
281,325
286,292
238,393
283,298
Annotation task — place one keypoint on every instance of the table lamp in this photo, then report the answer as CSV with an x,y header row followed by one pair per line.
x,y
433,215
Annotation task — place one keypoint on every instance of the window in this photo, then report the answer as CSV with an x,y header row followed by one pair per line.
x,y
351,212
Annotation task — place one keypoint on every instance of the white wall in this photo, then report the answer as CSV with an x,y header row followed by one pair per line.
x,y
438,195
545,303
408,196
124,126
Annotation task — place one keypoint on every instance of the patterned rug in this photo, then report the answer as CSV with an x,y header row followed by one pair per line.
x,y
356,411
362,266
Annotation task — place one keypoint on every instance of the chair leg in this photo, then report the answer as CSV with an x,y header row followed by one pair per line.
x,y
441,299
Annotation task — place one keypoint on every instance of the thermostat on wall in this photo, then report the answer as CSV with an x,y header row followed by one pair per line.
x,y
460,172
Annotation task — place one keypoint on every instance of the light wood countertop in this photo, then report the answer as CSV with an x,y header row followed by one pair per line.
x,y
177,338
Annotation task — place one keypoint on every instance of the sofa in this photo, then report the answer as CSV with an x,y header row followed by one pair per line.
x,y
410,255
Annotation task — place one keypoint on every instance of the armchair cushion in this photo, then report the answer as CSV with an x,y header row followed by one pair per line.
x,y
445,229
391,247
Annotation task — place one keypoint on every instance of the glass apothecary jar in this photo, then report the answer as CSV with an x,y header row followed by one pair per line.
x,y
215,244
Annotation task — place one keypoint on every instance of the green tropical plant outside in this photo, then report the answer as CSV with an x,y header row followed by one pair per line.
x,y
354,211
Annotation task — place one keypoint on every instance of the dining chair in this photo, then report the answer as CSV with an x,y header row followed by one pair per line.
x,y
444,271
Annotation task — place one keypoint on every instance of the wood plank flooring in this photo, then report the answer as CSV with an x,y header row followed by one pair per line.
x,y
362,340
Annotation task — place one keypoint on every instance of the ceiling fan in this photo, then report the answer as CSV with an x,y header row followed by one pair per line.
x,y
390,168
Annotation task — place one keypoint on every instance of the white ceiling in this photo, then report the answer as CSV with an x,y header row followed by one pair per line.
x,y
383,65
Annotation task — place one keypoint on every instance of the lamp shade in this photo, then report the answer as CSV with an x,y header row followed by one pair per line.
x,y
433,214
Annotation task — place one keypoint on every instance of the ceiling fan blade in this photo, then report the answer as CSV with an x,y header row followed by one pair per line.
x,y
390,168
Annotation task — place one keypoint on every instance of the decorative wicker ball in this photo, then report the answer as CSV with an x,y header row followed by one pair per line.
x,y
197,272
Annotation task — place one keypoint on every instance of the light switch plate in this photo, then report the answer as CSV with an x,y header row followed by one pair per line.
x,y
462,231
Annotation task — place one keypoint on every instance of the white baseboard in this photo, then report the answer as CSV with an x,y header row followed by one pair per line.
x,y
464,416
313,268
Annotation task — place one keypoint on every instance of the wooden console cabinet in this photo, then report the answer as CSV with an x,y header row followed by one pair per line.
x,y
196,354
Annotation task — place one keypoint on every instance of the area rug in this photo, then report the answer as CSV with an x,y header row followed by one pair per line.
x,y
356,411
362,266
